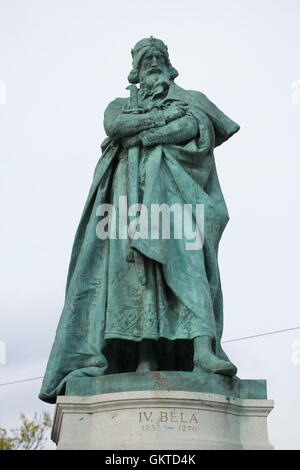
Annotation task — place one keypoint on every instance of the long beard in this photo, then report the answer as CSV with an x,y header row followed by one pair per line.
x,y
155,85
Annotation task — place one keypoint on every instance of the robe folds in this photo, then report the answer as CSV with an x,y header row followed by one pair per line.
x,y
182,297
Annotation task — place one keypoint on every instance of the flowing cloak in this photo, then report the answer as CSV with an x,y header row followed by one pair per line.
x,y
95,309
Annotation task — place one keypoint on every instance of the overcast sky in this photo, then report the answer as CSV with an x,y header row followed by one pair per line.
x,y
61,63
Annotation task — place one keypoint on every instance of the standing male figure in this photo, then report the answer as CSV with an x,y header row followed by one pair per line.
x,y
147,304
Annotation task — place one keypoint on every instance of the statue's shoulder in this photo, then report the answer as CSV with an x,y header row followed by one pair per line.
x,y
118,101
115,107
199,97
179,92
193,96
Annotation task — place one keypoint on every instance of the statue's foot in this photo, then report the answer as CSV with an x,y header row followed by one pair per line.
x,y
205,360
217,366
147,360
144,366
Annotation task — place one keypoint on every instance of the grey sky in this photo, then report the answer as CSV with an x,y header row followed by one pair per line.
x,y
62,62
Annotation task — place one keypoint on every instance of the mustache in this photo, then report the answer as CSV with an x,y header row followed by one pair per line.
x,y
162,75
155,69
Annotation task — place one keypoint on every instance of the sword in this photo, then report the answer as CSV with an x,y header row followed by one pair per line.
x,y
133,183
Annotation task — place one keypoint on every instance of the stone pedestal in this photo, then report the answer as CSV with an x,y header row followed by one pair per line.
x,y
162,418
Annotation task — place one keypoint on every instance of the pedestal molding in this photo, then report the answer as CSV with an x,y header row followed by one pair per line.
x,y
239,413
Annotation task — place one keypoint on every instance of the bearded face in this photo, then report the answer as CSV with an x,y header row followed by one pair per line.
x,y
154,75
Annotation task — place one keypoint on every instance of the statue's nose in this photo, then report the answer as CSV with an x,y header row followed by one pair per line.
x,y
154,60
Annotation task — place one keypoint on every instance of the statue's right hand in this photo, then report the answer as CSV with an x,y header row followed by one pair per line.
x,y
176,110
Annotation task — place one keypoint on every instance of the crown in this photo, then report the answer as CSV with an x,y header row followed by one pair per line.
x,y
148,42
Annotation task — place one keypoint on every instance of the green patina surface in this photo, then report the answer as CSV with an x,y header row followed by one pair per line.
x,y
168,380
149,304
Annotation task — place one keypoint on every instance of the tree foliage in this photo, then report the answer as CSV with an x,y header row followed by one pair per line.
x,y
29,436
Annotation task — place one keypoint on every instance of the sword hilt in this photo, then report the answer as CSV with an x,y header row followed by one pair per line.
x,y
133,101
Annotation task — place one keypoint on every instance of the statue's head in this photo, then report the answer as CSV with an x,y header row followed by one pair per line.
x,y
150,59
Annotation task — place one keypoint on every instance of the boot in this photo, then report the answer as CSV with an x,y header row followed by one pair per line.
x,y
205,360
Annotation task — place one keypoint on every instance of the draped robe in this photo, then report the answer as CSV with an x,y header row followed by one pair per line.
x,y
182,298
